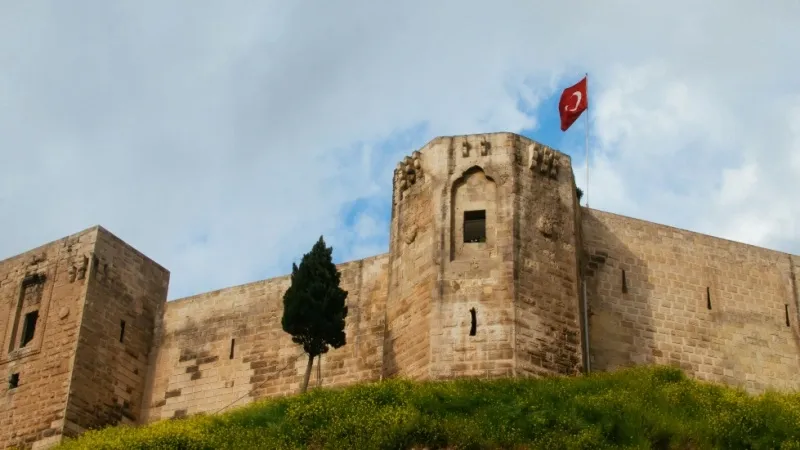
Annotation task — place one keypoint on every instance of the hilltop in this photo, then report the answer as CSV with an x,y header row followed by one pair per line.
x,y
644,407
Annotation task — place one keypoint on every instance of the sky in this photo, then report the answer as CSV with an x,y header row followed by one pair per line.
x,y
221,139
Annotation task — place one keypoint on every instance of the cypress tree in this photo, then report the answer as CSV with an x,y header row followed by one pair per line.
x,y
314,309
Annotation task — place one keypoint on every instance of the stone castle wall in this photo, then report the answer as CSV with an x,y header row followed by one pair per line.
x,y
412,274
548,325
225,348
721,310
434,306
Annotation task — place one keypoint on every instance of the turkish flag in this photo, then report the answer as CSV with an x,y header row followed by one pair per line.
x,y
574,101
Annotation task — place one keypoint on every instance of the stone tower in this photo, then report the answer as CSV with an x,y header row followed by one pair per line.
x,y
77,319
484,261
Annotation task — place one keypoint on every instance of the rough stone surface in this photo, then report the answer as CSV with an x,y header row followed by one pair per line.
x,y
110,371
76,374
35,409
225,348
434,306
672,277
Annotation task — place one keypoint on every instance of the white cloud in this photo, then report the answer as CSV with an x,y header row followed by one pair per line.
x,y
222,139
794,139
738,184
691,155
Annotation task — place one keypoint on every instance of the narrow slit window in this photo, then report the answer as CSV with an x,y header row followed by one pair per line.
x,y
624,282
121,330
29,328
708,297
786,307
233,343
474,226
13,381
473,329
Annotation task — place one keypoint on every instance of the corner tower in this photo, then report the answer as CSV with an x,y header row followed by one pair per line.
x,y
77,321
484,261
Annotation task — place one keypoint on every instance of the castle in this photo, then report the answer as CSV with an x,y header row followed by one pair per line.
x,y
493,270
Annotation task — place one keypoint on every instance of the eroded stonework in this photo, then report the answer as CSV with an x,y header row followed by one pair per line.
x,y
493,270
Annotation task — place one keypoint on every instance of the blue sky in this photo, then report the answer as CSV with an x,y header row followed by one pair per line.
x,y
224,144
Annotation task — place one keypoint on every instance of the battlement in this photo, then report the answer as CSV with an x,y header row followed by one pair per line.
x,y
474,147
493,270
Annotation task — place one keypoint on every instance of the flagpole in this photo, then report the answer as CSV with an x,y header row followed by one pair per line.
x,y
586,350
587,139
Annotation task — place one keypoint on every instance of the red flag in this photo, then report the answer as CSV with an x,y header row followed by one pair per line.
x,y
574,101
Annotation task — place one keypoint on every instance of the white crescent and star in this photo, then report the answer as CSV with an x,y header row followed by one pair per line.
x,y
577,102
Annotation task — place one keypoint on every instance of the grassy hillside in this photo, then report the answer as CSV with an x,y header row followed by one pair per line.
x,y
639,408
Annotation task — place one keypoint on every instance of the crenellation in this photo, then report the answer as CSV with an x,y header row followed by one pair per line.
x,y
408,173
486,145
489,258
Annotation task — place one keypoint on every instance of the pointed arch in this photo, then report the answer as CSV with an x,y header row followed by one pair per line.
x,y
472,214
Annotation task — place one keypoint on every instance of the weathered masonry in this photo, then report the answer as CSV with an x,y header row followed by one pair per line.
x,y
493,270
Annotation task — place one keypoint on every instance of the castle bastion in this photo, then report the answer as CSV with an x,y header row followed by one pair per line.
x,y
493,270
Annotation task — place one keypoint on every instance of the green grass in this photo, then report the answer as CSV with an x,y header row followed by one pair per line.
x,y
641,408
